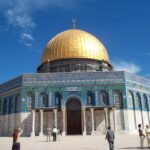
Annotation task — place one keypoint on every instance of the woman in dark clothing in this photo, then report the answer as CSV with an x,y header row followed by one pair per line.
x,y
16,137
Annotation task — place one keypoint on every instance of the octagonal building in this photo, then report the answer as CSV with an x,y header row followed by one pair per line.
x,y
76,90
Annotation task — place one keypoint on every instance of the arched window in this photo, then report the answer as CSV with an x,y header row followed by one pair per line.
x,y
104,98
11,105
17,103
145,102
58,99
29,99
117,97
44,100
5,106
138,101
90,98
130,100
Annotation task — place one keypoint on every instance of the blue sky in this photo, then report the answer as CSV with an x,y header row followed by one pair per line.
x,y
26,26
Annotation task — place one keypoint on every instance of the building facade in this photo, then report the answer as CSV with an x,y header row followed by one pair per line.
x,y
75,90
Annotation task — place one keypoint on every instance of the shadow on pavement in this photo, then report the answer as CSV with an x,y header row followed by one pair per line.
x,y
135,148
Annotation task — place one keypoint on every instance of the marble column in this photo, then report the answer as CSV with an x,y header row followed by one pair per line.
x,y
84,120
64,121
106,117
55,117
33,123
41,123
92,117
115,119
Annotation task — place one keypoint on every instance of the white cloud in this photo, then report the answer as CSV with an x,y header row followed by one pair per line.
x,y
20,18
27,36
126,66
19,13
28,44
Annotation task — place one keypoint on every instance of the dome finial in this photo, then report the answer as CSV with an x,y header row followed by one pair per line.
x,y
74,23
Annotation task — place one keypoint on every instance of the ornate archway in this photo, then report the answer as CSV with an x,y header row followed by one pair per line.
x,y
73,107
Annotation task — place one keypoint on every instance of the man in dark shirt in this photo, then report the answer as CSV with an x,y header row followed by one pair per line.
x,y
110,138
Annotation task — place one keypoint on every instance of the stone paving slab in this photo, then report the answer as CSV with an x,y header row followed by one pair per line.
x,y
97,142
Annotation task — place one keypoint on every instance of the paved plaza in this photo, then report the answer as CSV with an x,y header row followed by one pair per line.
x,y
97,142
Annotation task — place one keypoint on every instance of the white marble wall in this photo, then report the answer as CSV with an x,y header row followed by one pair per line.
x,y
120,119
5,125
145,118
138,117
99,119
24,121
131,121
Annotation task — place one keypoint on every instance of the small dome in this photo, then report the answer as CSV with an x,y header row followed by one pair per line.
x,y
74,44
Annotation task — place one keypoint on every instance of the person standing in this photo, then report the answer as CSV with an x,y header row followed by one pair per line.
x,y
110,136
54,133
49,133
141,135
16,139
147,132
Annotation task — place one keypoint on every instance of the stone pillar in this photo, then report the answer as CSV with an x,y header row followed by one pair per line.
x,y
33,123
106,117
84,120
92,116
55,117
41,123
115,119
64,121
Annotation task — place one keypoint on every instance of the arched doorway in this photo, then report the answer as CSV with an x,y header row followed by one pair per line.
x,y
73,107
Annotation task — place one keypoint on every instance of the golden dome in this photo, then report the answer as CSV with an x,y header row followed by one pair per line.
x,y
74,44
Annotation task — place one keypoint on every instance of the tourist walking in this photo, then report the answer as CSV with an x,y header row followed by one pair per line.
x,y
54,133
49,131
147,132
110,136
16,139
141,135
59,134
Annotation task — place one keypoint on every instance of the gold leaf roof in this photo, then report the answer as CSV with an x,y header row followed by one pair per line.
x,y
74,44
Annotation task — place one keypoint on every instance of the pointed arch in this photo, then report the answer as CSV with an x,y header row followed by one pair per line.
x,y
118,99
130,100
138,101
104,96
43,99
90,98
145,102
58,97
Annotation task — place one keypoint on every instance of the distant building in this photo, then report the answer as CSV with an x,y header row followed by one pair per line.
x,y
75,89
